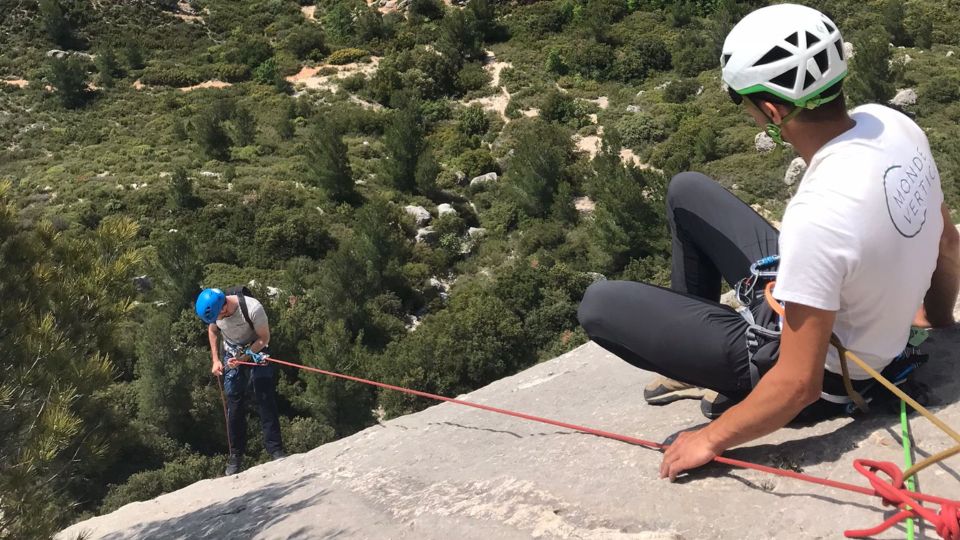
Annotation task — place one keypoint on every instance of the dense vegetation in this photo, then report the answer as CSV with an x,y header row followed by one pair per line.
x,y
121,195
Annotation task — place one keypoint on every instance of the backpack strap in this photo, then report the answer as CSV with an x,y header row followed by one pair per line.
x,y
244,311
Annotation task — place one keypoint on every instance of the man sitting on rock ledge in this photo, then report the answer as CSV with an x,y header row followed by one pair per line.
x,y
866,248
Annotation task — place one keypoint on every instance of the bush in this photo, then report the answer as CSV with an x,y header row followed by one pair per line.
x,y
354,83
472,77
231,73
681,90
346,56
171,75
561,108
475,162
472,121
640,130
634,62
174,475
306,42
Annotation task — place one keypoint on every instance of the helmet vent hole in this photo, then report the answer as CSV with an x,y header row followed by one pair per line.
x,y
829,26
808,80
839,47
725,59
787,79
811,39
774,54
793,39
823,62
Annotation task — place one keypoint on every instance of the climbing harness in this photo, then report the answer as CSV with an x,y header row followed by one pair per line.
x,y
890,489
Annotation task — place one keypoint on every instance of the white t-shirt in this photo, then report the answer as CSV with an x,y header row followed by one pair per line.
x,y
861,235
236,330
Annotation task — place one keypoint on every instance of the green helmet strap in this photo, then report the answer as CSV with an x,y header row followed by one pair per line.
x,y
774,132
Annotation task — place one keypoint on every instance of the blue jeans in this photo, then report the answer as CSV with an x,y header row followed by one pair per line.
x,y
236,383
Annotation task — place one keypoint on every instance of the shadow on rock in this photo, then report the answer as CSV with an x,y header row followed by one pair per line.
x,y
239,517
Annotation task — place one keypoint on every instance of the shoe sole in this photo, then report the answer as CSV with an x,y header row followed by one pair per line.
x,y
676,395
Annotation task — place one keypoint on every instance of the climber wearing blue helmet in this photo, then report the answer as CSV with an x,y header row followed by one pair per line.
x,y
240,320
209,305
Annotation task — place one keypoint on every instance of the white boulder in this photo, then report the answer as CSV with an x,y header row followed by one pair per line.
x,y
795,171
419,213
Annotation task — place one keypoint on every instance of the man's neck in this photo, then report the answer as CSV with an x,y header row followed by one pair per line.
x,y
808,138
232,305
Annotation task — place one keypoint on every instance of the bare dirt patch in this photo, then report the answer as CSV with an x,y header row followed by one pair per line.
x,y
310,78
497,103
185,12
309,12
205,84
19,83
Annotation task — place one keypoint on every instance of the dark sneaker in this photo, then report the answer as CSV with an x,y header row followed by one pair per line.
x,y
663,390
233,464
278,454
712,405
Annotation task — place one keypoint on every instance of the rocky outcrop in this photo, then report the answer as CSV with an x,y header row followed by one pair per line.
x,y
456,472
795,171
904,97
763,143
427,235
419,214
443,209
483,179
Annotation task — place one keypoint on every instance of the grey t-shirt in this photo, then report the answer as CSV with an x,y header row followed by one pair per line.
x,y
236,330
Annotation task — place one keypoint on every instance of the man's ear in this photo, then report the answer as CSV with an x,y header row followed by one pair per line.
x,y
773,111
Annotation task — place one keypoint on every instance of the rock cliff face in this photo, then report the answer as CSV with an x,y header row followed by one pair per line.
x,y
456,472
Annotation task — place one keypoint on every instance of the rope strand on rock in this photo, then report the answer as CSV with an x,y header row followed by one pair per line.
x,y
891,491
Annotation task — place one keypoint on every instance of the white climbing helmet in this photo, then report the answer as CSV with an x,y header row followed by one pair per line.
x,y
793,52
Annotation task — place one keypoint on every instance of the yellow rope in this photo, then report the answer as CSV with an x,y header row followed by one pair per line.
x,y
844,353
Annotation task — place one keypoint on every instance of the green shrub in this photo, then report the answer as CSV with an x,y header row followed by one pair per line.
x,y
173,476
640,130
306,42
681,90
475,162
346,56
472,77
230,72
171,75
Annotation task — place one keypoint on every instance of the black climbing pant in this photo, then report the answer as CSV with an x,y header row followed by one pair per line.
x,y
684,332
237,385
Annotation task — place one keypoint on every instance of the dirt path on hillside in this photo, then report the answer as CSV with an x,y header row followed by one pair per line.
x,y
496,103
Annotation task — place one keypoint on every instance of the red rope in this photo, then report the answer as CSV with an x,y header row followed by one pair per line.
x,y
946,522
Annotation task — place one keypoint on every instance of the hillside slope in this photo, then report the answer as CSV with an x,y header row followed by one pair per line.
x,y
455,472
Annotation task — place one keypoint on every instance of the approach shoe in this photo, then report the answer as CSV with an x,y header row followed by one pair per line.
x,y
278,454
713,404
233,465
664,390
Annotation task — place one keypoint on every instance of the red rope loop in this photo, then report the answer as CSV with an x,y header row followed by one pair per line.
x,y
891,490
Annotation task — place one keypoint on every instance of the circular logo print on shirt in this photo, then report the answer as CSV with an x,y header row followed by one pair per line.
x,y
907,188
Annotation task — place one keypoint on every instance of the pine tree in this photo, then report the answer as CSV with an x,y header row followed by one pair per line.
x,y
180,194
244,127
538,165
427,171
108,67
210,133
871,77
328,164
72,294
55,23
69,77
404,141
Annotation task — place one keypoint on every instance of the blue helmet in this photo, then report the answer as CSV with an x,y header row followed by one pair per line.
x,y
209,304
